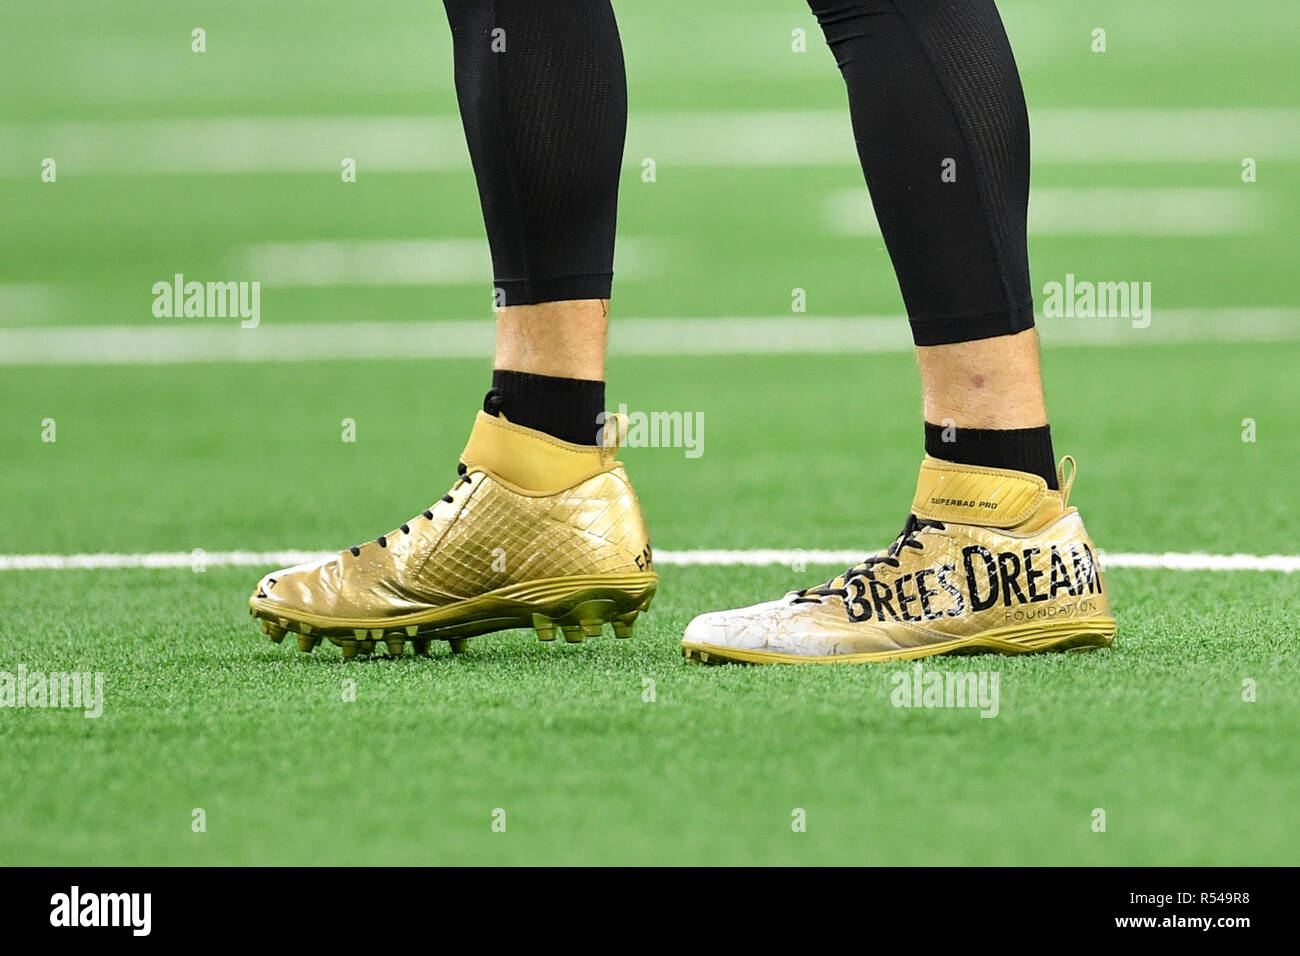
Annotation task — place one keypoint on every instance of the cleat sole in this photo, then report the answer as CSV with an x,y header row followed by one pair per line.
x,y
577,606
1078,635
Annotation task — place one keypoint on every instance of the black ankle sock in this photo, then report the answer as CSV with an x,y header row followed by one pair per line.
x,y
1020,449
564,408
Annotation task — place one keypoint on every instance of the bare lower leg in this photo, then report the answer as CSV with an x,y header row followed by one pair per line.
x,y
561,339
987,383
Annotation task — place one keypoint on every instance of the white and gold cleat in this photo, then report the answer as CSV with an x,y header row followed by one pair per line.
x,y
535,533
989,560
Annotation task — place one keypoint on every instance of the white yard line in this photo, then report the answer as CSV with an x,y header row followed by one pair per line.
x,y
1169,561
762,138
1098,211
402,262
222,340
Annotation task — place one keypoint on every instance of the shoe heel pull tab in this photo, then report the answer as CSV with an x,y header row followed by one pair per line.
x,y
614,432
1064,480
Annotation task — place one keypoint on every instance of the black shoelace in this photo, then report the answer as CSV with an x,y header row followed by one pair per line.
x,y
461,476
839,586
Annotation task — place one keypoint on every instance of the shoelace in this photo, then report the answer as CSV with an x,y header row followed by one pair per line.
x,y
839,586
461,476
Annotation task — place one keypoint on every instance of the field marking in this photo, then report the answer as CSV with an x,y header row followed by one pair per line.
x,y
21,301
1098,211
1169,561
403,262
213,340
758,138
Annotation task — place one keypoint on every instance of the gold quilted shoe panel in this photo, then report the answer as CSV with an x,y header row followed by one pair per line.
x,y
1020,584
562,548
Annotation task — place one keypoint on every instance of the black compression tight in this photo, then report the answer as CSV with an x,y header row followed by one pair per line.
x,y
933,89
543,97
938,115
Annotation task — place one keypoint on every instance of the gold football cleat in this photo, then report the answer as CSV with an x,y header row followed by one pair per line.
x,y
535,532
989,560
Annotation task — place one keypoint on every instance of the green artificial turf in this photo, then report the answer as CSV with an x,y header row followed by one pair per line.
x,y
799,452
202,712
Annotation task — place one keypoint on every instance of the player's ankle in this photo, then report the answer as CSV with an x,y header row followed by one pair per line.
x,y
1018,449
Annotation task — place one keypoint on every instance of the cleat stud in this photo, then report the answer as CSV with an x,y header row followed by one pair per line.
x,y
304,628
377,634
307,643
365,648
349,649
275,636
395,645
623,624
591,628
359,633
266,627
421,645
572,633
412,630
545,627
458,644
